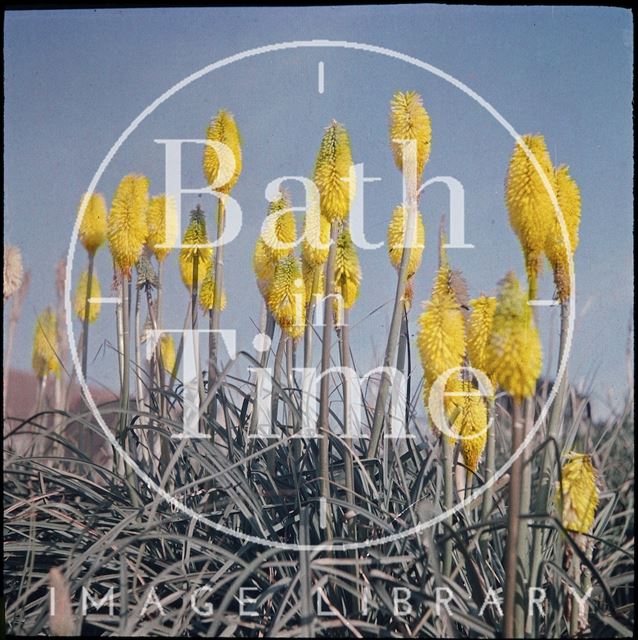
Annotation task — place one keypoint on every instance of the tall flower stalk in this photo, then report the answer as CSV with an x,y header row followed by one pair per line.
x,y
514,358
332,177
410,139
222,170
92,235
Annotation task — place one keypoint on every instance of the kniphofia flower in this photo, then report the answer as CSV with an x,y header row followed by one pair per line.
x,y
127,229
578,500
223,129
167,351
279,231
316,239
161,208
397,240
529,203
80,298
207,293
45,345
287,295
93,226
514,354
479,331
347,269
410,121
198,245
263,267
332,173
13,270
568,196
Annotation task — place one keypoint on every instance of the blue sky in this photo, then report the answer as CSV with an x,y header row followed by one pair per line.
x,y
74,80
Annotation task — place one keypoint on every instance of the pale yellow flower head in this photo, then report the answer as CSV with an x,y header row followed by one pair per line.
x,y
441,336
127,229
279,231
396,240
167,351
410,121
514,354
263,267
207,293
480,330
223,128
45,345
93,227
529,204
332,173
161,208
80,298
578,500
287,295
347,269
316,240
568,196
197,238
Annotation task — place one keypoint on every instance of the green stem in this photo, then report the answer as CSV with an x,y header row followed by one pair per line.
x,y
324,407
513,519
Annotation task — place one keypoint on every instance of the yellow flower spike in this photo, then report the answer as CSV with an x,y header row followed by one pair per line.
x,y
316,241
286,297
92,232
332,173
479,331
470,425
396,240
127,229
263,267
207,293
222,128
568,196
279,231
441,336
514,354
410,121
347,269
196,236
159,208
167,351
308,273
579,498
45,345
80,298
529,204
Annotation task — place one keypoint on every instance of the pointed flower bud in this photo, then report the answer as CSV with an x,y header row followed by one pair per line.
x,y
45,345
347,269
479,331
159,233
197,238
263,267
92,232
397,240
279,231
167,351
80,298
